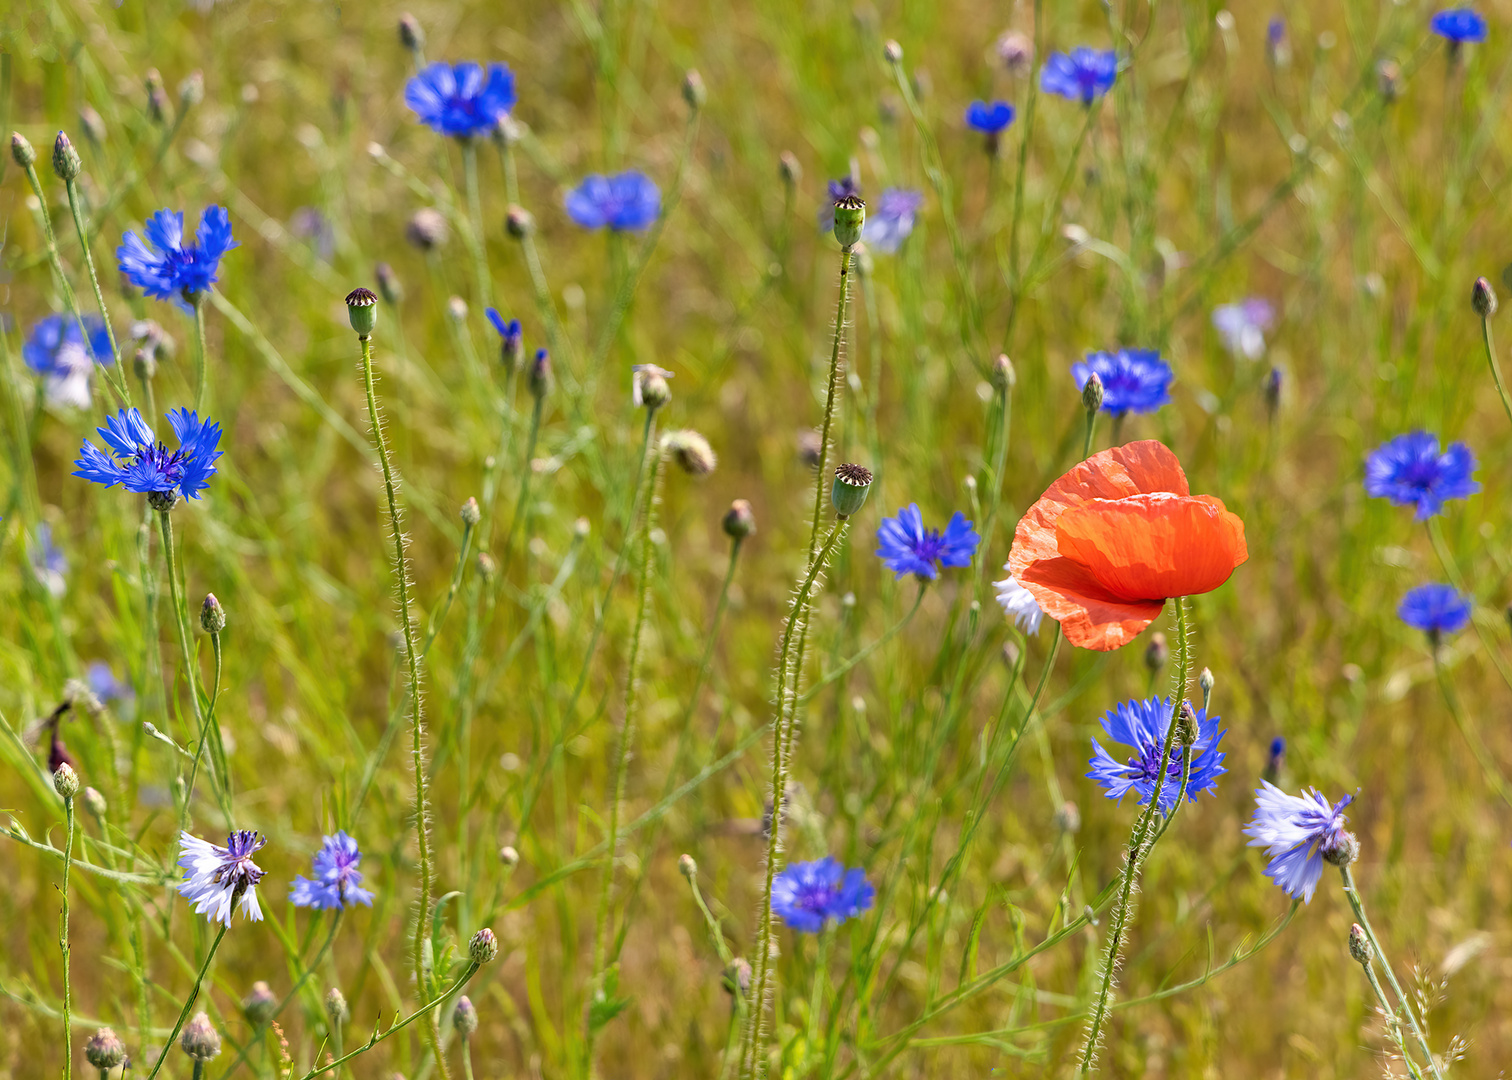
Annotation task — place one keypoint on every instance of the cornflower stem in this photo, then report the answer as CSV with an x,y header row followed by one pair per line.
x,y
116,374
417,726
189,1002
1140,844
1392,1023
1087,438
1353,895
218,754
63,946
1451,568
511,174
787,679
622,756
1470,734
816,992
523,502
467,1059
475,218
1027,133
1501,386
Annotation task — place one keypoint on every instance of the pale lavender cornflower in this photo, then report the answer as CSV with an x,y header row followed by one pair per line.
x,y
337,882
891,219
1019,604
216,879
1298,833
1242,326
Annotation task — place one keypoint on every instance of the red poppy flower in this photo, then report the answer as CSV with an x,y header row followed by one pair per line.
x,y
1110,541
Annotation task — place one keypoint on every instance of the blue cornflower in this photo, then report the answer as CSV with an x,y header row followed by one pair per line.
x,y
461,101
891,219
626,201
48,561
839,189
1459,25
511,338
1242,326
1297,831
1142,725
906,547
989,119
337,882
1410,471
216,879
138,462
102,680
1134,380
1083,75
57,351
170,267
1435,609
806,894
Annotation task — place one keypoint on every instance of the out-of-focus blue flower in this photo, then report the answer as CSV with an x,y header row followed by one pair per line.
x,y
313,227
1459,25
991,119
806,894
1019,603
906,547
1297,831
170,267
1082,75
1134,380
891,219
217,878
1242,326
837,190
337,883
1141,725
1410,471
1435,609
140,463
627,201
461,101
102,680
48,561
57,351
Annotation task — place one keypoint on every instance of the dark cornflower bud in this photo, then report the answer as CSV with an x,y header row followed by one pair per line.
x,y
1003,374
258,1006
1275,761
1277,43
94,802
892,52
362,311
65,780
1157,652
470,514
648,386
1092,393
739,521
1273,392
691,451
518,222
192,90
852,482
22,150
1389,80
93,125
1342,849
687,867
465,1017
1359,945
693,90
538,382
789,168
1068,818
157,96
509,856
104,1050
389,286
1483,298
810,445
737,978
65,159
212,615
1016,52
427,229
850,215
483,947
200,1040
411,36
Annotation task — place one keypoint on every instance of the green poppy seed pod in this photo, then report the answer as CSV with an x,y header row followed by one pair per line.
x,y
192,90
691,451
200,1040
93,125
509,857
1343,851
157,96
1157,652
470,513
1359,945
427,229
1483,298
212,615
892,52
389,286
483,947
336,1007
518,222
1092,393
539,381
693,90
411,36
66,781
95,803
362,310
104,1050
850,215
739,520
687,867
66,161
260,1004
1003,374
465,1017
22,150
852,482
789,168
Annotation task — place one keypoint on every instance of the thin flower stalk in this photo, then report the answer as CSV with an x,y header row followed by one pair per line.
x,y
199,980
476,234
115,373
1496,373
63,945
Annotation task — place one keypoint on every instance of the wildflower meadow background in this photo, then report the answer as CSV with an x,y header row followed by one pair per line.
x,y
810,540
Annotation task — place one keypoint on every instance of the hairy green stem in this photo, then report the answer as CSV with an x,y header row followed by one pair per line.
x,y
63,946
189,1002
837,352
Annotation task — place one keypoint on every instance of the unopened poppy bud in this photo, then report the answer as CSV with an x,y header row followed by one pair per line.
x,y
518,222
95,803
691,451
739,520
852,482
1092,393
411,36
687,867
362,311
1157,652
212,615
22,150
789,168
1343,851
465,1017
157,96
1483,298
93,124
737,978
105,1050
388,283
850,215
483,947
336,1007
259,1005
65,159
1359,945
693,90
470,513
200,1040
1003,375
66,781
192,90
509,856
1068,818
538,382
648,386
427,229
1389,80
892,52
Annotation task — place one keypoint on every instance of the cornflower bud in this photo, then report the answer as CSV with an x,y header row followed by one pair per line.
x,y
892,52
1273,392
850,215
465,1017
388,283
95,803
362,311
852,482
789,168
648,386
66,781
687,867
259,1004
192,90
739,521
1092,393
1003,375
336,1007
810,444
93,124
487,566
737,978
1068,818
162,501
1277,43
1275,761
456,307
1389,80
157,96
200,1040
509,856
1343,851
105,1050
483,947
22,150
518,222
65,159
691,451
212,615
427,229
470,513
411,36
1207,682
538,382
1157,652
693,90
144,364
1359,945
1016,52
1483,298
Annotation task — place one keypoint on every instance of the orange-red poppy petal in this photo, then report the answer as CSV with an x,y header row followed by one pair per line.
x,y
1089,617
1148,547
